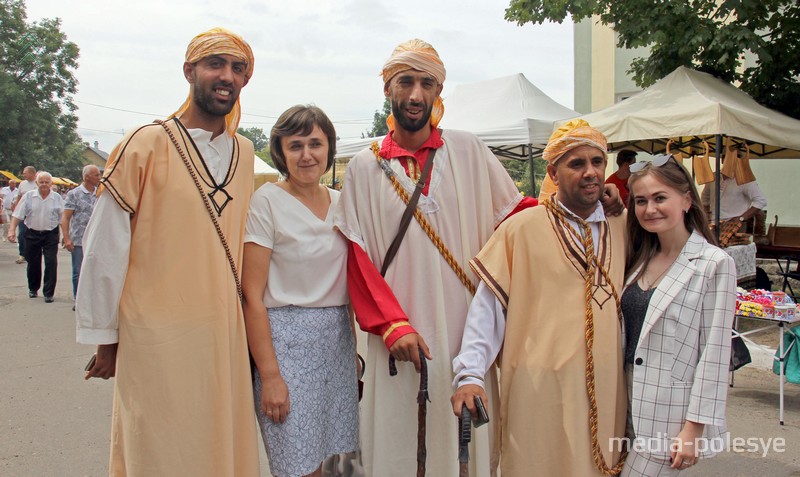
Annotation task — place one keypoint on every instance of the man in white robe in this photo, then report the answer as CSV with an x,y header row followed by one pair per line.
x,y
421,302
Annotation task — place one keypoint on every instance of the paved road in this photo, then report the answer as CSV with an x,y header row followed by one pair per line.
x,y
53,423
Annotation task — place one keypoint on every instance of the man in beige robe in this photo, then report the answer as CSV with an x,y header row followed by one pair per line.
x,y
157,292
533,302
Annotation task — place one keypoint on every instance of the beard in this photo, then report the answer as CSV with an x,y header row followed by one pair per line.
x,y
398,111
204,99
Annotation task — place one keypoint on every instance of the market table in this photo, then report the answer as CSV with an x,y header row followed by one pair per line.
x,y
782,353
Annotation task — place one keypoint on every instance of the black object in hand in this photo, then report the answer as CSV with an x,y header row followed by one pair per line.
x,y
464,434
481,416
91,362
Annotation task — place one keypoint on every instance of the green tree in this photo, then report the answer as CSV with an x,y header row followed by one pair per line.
x,y
714,36
520,172
260,140
379,127
37,83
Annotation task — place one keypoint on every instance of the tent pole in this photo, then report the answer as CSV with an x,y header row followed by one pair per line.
x,y
717,186
533,176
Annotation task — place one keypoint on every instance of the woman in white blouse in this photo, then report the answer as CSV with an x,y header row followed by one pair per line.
x,y
299,329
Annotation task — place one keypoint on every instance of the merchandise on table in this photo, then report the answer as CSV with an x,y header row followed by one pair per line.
x,y
773,305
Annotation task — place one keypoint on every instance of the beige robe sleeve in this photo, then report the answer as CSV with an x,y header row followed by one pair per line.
x,y
128,165
495,262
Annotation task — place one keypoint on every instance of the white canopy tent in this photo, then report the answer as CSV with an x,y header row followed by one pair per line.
x,y
263,172
509,114
689,106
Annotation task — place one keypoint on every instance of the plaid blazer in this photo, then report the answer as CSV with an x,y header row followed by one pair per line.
x,y
680,369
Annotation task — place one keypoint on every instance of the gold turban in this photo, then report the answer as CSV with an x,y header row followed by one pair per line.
x,y
417,55
219,41
573,134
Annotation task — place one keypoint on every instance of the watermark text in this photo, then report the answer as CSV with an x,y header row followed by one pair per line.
x,y
664,445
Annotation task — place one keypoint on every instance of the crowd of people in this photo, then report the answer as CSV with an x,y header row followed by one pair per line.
x,y
575,323
37,215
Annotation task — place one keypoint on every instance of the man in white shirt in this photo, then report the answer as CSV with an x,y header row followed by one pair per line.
x,y
40,210
737,201
27,185
8,195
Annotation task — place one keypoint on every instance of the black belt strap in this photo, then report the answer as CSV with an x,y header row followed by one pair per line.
x,y
409,212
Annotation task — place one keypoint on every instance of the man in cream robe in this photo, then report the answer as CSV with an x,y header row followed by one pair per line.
x,y
157,293
532,302
468,193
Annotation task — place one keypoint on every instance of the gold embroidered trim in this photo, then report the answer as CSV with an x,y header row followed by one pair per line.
x,y
394,327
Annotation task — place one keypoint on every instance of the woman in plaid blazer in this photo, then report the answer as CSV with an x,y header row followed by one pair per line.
x,y
678,308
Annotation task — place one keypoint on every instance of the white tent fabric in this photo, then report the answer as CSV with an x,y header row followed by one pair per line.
x,y
347,149
261,167
505,112
508,114
263,173
689,106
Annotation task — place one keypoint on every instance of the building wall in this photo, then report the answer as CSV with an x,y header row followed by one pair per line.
x,y
777,179
90,157
623,82
604,66
582,41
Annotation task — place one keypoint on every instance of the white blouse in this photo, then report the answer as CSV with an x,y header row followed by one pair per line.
x,y
308,266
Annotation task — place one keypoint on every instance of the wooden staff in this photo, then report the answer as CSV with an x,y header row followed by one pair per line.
x,y
422,414
464,438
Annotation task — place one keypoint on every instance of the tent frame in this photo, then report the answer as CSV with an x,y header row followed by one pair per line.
x,y
520,152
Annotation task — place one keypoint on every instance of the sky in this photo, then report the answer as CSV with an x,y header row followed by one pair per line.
x,y
306,51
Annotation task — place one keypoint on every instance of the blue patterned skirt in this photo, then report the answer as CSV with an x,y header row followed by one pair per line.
x,y
316,357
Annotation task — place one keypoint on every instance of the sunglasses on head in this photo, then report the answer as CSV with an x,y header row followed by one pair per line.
x,y
657,161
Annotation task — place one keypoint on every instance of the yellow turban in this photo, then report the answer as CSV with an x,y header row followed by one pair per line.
x,y
573,134
417,55
219,41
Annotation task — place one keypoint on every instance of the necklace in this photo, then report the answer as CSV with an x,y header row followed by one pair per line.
x,y
649,283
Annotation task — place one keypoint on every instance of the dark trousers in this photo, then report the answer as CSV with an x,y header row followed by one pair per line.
x,y
38,244
21,229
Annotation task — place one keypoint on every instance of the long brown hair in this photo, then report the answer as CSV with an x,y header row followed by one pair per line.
x,y
643,245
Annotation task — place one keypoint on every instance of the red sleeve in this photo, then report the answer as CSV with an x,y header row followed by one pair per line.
x,y
525,203
377,309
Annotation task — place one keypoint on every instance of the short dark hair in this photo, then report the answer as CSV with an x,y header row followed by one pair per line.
x,y
300,120
625,156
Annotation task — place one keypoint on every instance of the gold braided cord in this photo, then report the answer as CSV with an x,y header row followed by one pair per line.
x,y
591,263
423,222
